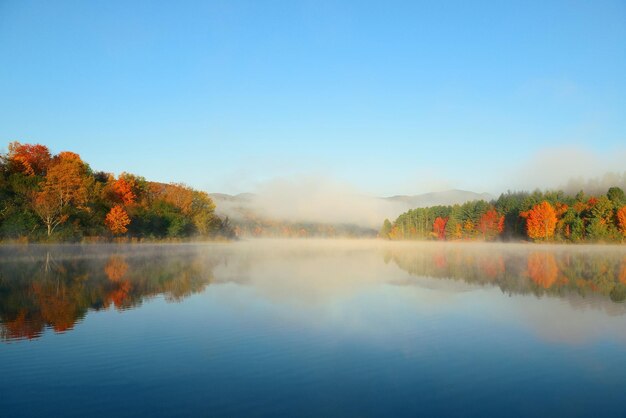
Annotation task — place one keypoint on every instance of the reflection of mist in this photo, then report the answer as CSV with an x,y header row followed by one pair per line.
x,y
316,277
311,272
564,293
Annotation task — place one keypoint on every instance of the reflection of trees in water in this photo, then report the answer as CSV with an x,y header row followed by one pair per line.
x,y
56,294
543,270
537,271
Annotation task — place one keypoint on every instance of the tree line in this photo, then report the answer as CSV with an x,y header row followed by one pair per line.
x,y
537,216
47,197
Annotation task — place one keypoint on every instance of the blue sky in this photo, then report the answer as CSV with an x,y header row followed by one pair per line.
x,y
389,97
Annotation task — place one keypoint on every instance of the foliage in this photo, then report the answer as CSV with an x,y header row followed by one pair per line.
x,y
58,197
439,227
545,216
117,220
491,224
540,221
28,159
621,220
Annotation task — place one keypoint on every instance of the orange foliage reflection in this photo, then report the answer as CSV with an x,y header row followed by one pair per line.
x,y
116,268
542,269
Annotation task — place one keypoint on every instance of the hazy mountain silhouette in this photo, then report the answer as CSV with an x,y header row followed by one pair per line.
x,y
251,205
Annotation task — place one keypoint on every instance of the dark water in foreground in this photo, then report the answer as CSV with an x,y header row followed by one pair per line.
x,y
313,328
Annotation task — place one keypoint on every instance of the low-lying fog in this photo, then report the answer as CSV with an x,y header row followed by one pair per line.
x,y
564,293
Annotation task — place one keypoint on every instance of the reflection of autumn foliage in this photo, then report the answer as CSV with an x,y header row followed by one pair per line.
x,y
622,272
57,294
21,327
439,259
56,306
116,268
544,272
542,269
120,297
492,267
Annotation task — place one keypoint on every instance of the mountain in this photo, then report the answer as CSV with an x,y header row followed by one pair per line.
x,y
448,197
345,209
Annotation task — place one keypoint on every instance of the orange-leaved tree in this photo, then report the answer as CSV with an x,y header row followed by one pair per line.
x,y
117,220
540,221
621,220
66,179
47,206
30,159
439,227
65,185
491,224
123,188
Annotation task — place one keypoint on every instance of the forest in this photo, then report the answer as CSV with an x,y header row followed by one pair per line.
x,y
550,216
59,198
45,197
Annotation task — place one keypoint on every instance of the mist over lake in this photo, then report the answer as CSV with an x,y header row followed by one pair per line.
x,y
312,328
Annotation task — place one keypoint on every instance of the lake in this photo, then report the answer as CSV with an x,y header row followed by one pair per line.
x,y
313,328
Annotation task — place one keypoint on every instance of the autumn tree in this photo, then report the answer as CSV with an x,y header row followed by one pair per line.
x,y
439,228
203,213
66,179
65,184
49,209
117,220
30,159
179,195
540,221
491,224
123,189
621,220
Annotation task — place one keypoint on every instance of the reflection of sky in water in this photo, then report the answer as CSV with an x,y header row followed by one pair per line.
x,y
318,328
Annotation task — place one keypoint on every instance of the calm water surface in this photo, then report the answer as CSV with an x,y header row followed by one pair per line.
x,y
313,328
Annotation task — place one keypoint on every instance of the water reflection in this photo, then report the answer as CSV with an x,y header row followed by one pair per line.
x,y
54,288
521,269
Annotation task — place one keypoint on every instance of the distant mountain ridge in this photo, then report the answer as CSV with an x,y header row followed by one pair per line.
x,y
448,197
246,205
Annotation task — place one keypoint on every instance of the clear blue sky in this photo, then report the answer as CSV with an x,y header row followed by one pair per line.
x,y
390,96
